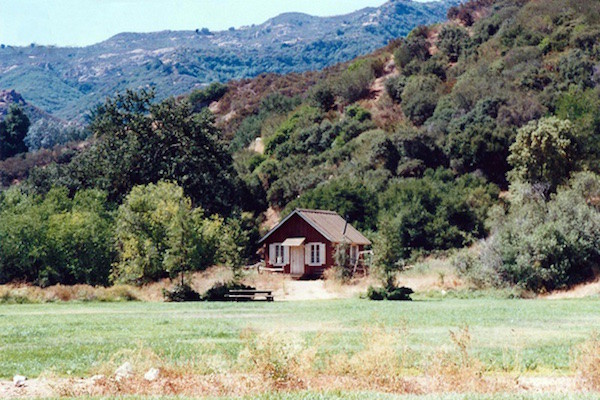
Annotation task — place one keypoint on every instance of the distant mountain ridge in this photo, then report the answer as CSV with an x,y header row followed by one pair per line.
x,y
67,82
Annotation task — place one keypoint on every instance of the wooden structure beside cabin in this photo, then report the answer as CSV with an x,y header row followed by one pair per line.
x,y
304,242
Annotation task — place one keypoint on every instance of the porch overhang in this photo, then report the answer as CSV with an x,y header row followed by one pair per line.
x,y
293,242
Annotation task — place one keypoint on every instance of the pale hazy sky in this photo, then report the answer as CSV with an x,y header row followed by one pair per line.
x,y
83,22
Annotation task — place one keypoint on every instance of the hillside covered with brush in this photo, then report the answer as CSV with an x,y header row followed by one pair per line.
x,y
67,82
479,133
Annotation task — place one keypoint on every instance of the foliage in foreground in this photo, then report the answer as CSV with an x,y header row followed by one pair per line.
x,y
541,244
159,234
55,239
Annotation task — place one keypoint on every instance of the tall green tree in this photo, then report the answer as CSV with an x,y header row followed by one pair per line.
x,y
138,142
159,234
544,152
55,239
13,130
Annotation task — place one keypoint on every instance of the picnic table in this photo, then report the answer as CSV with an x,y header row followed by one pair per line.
x,y
249,295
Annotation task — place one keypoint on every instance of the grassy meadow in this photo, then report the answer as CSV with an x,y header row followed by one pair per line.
x,y
537,337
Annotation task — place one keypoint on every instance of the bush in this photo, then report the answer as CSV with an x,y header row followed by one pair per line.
x,y
420,97
202,98
55,239
323,96
180,293
436,212
376,293
394,87
542,245
219,290
174,237
452,41
355,82
358,113
393,293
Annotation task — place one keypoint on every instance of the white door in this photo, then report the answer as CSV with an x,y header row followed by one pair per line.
x,y
297,260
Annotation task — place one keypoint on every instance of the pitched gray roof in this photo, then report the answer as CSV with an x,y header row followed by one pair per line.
x,y
329,223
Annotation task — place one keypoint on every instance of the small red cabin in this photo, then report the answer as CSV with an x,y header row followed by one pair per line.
x,y
303,243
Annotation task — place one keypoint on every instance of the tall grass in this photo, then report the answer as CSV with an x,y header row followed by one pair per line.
x,y
27,294
587,363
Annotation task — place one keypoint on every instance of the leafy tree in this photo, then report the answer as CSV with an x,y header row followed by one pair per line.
x,y
47,133
348,197
544,152
476,141
139,142
53,239
389,253
436,212
235,244
81,241
13,130
159,234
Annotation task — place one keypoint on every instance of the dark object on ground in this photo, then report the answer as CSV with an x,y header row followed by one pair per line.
x,y
181,292
219,290
394,293
249,295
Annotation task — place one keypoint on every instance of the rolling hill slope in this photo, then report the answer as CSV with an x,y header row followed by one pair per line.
x,y
69,81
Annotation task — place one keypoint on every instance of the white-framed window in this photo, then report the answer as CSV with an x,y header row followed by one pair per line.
x,y
278,254
315,253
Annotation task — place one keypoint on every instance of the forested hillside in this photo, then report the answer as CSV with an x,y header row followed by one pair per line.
x,y
67,82
480,133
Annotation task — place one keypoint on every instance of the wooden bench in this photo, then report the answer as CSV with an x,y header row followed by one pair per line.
x,y
250,295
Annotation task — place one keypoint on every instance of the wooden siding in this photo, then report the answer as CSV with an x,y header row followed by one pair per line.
x,y
295,227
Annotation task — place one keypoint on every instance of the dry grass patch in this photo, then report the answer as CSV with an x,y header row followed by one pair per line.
x,y
456,370
381,363
587,363
24,293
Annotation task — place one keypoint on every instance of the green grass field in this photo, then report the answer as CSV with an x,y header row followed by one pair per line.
x,y
534,336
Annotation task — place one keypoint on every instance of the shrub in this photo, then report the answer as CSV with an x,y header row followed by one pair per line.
x,y
420,97
414,47
51,239
342,267
323,97
374,293
587,363
576,68
218,291
354,83
542,245
544,152
436,212
180,293
452,41
394,87
358,113
392,293
203,97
